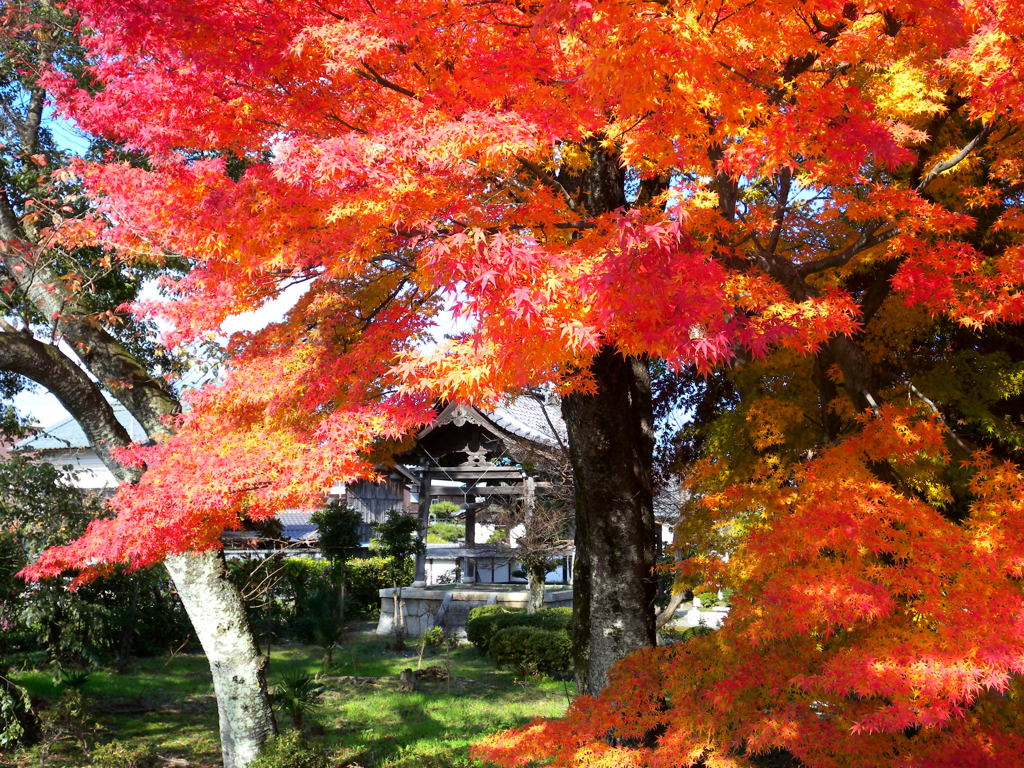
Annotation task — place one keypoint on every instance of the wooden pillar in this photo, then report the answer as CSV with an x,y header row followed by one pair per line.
x,y
469,576
420,577
471,525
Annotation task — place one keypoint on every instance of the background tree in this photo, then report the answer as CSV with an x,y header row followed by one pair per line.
x,y
62,329
39,507
398,540
338,529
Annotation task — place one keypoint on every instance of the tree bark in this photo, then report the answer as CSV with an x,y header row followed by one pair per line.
x,y
536,574
220,621
611,445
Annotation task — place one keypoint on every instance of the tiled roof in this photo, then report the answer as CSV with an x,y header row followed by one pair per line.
x,y
67,434
296,524
533,418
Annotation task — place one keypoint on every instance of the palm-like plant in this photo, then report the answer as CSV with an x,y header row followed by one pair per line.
x,y
298,695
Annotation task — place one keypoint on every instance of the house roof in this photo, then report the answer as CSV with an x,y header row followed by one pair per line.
x,y
297,525
533,418
67,434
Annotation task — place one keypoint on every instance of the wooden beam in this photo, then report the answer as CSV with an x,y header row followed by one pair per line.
x,y
501,490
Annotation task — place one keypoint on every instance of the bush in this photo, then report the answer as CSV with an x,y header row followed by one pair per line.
x,y
18,722
365,577
533,651
291,590
480,623
487,620
68,721
299,696
445,532
276,590
670,635
290,751
118,754
712,600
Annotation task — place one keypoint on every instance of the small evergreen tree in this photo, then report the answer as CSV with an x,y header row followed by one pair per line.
x,y
338,527
398,540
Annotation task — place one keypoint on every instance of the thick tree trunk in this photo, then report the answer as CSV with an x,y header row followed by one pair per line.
x,y
220,621
611,446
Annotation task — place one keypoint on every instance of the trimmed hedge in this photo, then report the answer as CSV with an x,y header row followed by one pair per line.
x,y
480,624
531,644
365,576
533,651
487,620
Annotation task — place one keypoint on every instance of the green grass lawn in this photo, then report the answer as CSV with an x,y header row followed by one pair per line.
x,y
363,719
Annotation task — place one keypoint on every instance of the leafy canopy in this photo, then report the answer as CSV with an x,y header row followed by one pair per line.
x,y
823,197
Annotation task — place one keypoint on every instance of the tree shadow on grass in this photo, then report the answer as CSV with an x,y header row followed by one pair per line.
x,y
428,728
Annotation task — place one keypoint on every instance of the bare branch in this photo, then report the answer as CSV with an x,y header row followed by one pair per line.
x,y
935,409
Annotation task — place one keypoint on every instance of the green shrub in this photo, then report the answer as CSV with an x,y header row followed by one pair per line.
x,y
365,577
533,651
119,754
445,532
291,751
281,607
299,696
671,635
712,600
18,722
278,589
67,721
480,623
484,622
707,599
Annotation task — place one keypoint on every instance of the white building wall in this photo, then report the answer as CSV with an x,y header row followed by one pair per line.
x,y
87,471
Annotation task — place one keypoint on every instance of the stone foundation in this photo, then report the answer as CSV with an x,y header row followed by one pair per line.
x,y
421,606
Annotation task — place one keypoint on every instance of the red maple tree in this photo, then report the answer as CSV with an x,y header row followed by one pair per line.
x,y
794,190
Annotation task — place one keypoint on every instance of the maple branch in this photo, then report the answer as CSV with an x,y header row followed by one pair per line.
x,y
666,614
746,78
879,289
864,241
782,202
147,398
569,225
945,165
551,426
719,17
953,105
345,123
369,73
546,178
938,414
46,365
